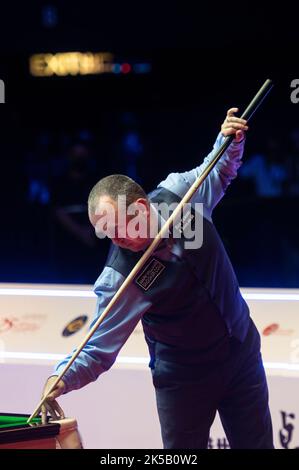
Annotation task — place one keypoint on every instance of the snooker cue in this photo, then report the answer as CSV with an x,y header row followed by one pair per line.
x,y
247,114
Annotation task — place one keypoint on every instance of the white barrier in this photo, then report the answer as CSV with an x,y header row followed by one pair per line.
x,y
41,324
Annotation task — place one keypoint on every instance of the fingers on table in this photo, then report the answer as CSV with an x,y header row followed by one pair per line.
x,y
53,409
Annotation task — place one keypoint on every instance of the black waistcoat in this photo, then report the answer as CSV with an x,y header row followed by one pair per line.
x,y
195,300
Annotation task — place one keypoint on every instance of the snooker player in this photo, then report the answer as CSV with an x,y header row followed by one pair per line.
x,y
204,347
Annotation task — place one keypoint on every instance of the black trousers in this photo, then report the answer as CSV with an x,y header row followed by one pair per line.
x,y
188,397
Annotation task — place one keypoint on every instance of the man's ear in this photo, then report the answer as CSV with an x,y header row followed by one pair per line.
x,y
142,205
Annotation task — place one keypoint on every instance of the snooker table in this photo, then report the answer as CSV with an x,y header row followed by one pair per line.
x,y
15,433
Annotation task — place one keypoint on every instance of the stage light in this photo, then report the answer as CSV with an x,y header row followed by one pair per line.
x,y
126,68
142,68
80,63
116,68
49,16
70,63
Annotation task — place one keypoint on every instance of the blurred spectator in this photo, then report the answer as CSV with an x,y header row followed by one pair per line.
x,y
267,170
292,161
131,147
37,168
44,161
74,238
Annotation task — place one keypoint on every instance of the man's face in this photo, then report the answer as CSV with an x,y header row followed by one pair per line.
x,y
127,228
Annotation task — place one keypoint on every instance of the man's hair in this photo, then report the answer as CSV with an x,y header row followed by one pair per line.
x,y
114,186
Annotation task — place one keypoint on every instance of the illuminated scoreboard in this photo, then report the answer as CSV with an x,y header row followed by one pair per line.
x,y
82,63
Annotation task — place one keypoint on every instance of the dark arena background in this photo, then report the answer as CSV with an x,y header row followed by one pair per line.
x,y
138,88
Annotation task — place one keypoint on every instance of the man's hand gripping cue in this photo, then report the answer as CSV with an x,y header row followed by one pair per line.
x,y
234,125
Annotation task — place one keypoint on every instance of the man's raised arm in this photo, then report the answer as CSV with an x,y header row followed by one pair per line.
x,y
214,186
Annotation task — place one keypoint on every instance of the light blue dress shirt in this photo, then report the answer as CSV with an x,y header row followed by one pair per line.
x,y
100,352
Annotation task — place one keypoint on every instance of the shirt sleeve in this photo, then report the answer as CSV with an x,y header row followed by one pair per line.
x,y
100,352
214,186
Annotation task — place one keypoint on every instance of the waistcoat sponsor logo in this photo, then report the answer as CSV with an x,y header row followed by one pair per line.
x,y
149,274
